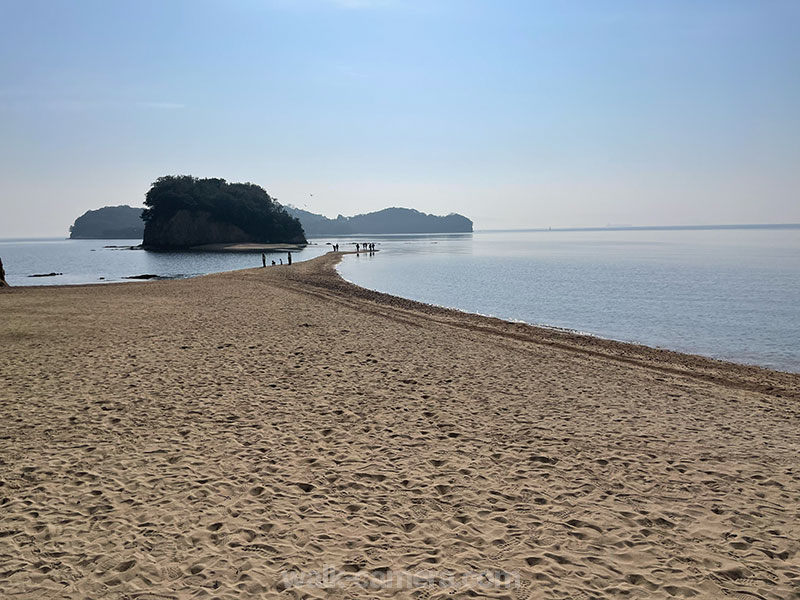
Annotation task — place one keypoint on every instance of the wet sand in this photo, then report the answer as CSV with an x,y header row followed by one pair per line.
x,y
227,436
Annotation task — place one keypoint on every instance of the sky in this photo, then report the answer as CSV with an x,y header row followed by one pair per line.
x,y
514,113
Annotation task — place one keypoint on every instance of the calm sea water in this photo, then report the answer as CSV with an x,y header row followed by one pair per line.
x,y
729,294
90,261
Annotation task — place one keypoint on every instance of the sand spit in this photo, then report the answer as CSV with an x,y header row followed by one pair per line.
x,y
280,433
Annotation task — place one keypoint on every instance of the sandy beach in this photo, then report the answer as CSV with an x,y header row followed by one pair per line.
x,y
280,433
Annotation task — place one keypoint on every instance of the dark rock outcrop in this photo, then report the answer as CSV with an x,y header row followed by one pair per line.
x,y
185,229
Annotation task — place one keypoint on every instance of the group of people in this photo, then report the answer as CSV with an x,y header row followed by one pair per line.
x,y
360,247
264,259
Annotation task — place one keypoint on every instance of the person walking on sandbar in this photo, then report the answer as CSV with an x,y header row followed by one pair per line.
x,y
289,254
263,260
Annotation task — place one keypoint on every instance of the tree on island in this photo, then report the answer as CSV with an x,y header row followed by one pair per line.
x,y
244,207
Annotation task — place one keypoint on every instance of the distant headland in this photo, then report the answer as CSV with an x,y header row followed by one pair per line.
x,y
386,221
108,223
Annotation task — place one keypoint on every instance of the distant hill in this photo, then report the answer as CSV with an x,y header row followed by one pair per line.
x,y
184,211
125,222
109,222
388,220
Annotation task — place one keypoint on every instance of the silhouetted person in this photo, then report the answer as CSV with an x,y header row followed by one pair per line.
x,y
289,254
263,260
357,248
2,274
273,263
280,259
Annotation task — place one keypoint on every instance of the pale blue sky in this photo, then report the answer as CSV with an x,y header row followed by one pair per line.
x,y
515,113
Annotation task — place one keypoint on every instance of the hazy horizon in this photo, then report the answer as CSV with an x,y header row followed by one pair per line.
x,y
515,114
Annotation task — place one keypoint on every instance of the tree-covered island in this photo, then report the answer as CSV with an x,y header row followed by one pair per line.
x,y
184,211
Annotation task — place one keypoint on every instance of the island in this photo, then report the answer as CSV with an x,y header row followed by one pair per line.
x,y
185,212
387,221
125,222
109,222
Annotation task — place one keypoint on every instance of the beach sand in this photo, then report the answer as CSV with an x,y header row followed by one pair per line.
x,y
227,436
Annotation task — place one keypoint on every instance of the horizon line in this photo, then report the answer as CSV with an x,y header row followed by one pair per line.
x,y
652,227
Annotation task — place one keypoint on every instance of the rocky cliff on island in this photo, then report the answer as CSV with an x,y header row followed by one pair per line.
x,y
187,228
184,211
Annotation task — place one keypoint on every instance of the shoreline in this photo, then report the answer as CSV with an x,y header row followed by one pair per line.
x,y
699,366
217,435
580,333
622,347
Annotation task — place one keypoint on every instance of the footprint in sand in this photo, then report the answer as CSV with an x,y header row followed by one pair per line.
x,y
504,548
262,549
172,572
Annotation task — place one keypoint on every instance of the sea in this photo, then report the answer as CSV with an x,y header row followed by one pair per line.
x,y
726,293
